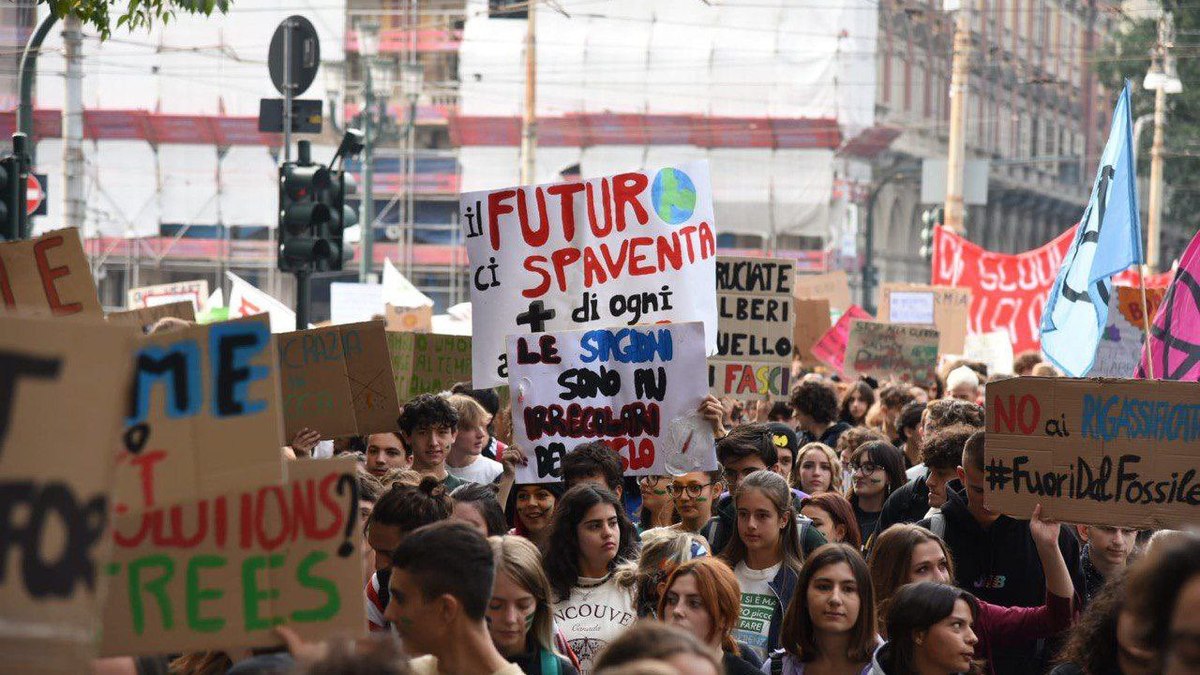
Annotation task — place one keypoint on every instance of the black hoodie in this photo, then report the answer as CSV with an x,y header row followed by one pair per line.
x,y
1000,565
908,504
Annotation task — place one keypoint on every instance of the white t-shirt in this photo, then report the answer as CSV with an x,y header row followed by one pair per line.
x,y
759,603
482,470
597,611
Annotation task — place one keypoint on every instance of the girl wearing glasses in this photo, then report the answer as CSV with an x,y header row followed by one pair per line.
x,y
693,495
657,508
766,557
877,469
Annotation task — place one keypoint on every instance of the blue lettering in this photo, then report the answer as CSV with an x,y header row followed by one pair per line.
x,y
627,345
179,366
232,346
1089,423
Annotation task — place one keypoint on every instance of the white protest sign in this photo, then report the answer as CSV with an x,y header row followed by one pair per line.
x,y
994,349
634,248
398,291
354,303
1122,341
246,300
911,307
167,294
637,389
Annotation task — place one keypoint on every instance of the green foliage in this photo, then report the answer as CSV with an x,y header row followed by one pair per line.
x,y
105,15
1128,56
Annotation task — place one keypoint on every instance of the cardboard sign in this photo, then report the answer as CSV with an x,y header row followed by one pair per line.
x,y
195,292
1123,340
812,322
427,364
993,349
146,317
203,416
409,319
1106,452
892,351
755,327
831,348
834,287
337,380
48,275
950,311
636,389
222,572
634,248
61,408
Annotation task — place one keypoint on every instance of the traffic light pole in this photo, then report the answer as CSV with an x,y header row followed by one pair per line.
x,y
303,299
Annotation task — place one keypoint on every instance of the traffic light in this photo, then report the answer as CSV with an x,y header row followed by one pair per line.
x,y
930,218
303,218
341,216
10,179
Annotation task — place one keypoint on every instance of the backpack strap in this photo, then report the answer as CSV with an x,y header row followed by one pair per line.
x,y
776,659
549,662
937,524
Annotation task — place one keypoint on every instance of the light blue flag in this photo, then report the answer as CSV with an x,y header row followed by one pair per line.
x,y
1107,241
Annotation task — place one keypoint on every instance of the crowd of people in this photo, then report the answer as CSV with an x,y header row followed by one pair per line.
x,y
845,532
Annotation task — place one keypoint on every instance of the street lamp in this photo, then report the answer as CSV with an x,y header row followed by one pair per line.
x,y
1162,80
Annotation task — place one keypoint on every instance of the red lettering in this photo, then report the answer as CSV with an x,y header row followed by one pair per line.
x,y
593,271
49,274
561,259
599,230
220,522
145,463
747,384
708,241
247,520
635,268
643,458
670,252
732,371
178,538
1015,414
496,208
544,285
304,507
149,518
627,187
6,287
284,519
614,266
686,231
566,194
328,499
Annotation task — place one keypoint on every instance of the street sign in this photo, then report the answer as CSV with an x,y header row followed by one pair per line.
x,y
306,116
35,195
304,51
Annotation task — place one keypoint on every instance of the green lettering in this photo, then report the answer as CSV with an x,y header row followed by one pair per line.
x,y
333,601
196,594
156,587
251,595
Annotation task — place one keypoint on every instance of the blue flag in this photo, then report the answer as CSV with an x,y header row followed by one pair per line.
x,y
1107,241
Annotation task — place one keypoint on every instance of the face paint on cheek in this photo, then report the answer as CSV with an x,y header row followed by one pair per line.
x,y
529,618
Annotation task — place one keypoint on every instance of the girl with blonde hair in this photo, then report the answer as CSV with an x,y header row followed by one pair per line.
x,y
520,617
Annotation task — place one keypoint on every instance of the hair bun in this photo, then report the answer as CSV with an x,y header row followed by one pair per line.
x,y
432,486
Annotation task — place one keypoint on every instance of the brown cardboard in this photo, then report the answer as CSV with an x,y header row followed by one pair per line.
x,y
63,411
1060,425
219,573
951,310
48,275
426,363
146,317
834,286
337,380
887,350
221,431
812,322
755,316
409,319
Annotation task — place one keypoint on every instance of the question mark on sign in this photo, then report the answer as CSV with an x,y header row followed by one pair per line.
x,y
344,481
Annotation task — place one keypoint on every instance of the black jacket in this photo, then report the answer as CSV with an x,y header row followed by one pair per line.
x,y
830,437
1000,565
908,504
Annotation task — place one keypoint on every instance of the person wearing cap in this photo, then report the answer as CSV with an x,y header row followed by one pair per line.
x,y
787,444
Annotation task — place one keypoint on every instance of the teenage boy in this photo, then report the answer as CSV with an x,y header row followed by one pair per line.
x,y
429,425
1105,554
596,463
816,406
466,460
440,585
386,451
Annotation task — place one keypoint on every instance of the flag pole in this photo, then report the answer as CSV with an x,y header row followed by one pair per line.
x,y
1145,322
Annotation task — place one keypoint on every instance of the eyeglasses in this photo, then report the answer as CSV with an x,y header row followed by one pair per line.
x,y
692,489
865,467
649,481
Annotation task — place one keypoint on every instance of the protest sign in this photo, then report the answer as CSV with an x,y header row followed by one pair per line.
x,y
634,248
637,389
1124,337
48,275
833,286
146,317
203,416
426,363
1174,343
1007,291
993,349
754,329
941,307
1094,451
889,350
831,348
246,300
222,572
337,380
398,291
60,394
411,320
165,294
812,321
354,303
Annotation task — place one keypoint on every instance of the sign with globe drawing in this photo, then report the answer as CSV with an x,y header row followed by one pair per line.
x,y
632,248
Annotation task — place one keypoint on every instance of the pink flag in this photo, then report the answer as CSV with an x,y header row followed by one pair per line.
x,y
831,348
1175,336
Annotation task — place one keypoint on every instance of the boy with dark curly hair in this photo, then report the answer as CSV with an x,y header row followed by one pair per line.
x,y
428,426
816,406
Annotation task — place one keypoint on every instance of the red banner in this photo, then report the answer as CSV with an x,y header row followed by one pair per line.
x,y
1007,291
